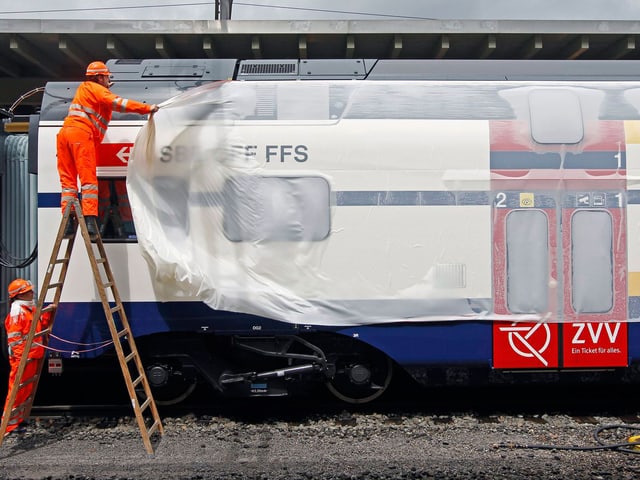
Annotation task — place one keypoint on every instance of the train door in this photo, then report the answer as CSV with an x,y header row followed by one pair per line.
x,y
594,330
559,256
525,280
560,269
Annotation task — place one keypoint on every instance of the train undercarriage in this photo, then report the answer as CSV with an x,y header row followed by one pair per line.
x,y
265,366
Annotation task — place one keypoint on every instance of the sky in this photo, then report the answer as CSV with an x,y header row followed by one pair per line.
x,y
324,9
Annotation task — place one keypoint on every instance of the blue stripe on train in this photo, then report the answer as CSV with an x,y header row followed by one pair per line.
x,y
423,198
347,198
525,160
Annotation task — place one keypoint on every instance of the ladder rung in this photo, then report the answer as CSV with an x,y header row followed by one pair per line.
x,y
115,309
19,408
61,260
41,333
101,259
137,381
145,404
107,285
153,427
31,380
54,285
128,358
123,333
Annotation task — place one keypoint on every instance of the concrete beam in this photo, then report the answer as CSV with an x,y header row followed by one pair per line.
x,y
163,48
21,47
351,46
623,47
71,49
207,47
302,46
255,47
576,48
488,47
531,48
117,49
442,47
397,46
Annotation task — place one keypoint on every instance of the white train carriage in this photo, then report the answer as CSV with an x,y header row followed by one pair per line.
x,y
334,220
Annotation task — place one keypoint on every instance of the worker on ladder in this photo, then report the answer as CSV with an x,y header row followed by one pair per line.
x,y
18,325
83,130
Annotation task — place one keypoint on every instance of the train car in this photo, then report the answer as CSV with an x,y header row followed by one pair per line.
x,y
280,224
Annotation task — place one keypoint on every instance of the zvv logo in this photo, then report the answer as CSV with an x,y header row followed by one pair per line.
x,y
529,341
593,331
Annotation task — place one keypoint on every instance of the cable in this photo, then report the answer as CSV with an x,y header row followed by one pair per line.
x,y
92,9
244,4
326,10
100,343
632,445
26,95
96,345
51,349
7,260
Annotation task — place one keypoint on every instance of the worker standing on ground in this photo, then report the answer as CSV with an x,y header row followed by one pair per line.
x,y
83,130
18,325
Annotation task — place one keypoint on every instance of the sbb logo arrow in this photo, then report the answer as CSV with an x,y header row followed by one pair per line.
x,y
114,154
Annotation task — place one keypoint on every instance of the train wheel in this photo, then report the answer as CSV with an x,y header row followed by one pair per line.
x,y
169,385
361,378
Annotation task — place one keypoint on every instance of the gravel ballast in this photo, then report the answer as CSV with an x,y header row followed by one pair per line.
x,y
332,446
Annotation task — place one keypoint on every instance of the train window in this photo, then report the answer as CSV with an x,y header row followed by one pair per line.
x,y
527,261
171,203
556,116
591,261
114,211
276,209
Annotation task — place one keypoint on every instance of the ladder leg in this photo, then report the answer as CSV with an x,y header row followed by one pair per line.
x,y
128,356
22,393
124,343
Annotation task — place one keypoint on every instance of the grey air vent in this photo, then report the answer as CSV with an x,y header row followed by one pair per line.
x,y
271,68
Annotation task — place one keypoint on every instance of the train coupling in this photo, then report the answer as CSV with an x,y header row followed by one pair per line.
x,y
227,378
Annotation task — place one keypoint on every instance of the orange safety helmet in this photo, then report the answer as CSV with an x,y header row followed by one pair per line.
x,y
97,68
19,286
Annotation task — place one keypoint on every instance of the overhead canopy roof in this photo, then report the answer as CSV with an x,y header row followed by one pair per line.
x,y
33,52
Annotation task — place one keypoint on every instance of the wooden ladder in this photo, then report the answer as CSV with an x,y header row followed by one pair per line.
x,y
123,340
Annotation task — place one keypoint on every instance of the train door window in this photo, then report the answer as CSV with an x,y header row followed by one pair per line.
x,y
592,261
527,261
276,209
114,211
556,116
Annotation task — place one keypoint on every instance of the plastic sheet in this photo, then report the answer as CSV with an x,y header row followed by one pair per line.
x,y
344,203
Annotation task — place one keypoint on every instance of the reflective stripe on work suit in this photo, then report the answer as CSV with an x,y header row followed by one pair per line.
x,y
18,324
77,159
83,130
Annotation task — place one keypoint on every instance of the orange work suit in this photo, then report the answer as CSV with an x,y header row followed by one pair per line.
x,y
83,130
18,324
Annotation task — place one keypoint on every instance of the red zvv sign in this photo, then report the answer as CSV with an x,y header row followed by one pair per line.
x,y
114,154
